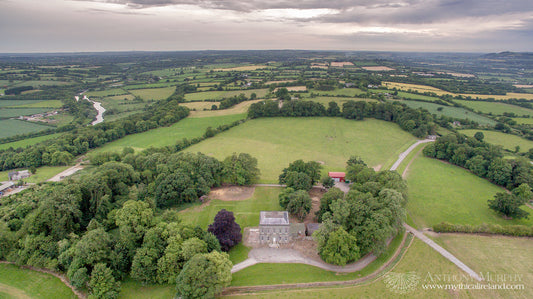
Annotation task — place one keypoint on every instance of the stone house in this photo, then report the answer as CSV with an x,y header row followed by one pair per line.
x,y
274,227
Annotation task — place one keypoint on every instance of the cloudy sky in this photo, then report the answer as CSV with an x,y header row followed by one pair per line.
x,y
166,25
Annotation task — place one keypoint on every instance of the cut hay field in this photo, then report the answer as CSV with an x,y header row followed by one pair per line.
x,y
496,255
496,108
218,95
241,108
28,141
12,127
451,112
246,212
439,92
186,128
418,261
276,142
200,105
508,141
16,282
153,93
443,192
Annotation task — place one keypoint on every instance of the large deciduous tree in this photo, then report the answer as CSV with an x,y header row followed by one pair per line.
x,y
204,276
227,231
240,169
509,205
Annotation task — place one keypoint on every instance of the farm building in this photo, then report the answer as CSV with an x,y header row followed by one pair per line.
x,y
274,227
337,176
5,186
18,175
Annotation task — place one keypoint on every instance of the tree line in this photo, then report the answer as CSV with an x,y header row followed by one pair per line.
x,y
415,121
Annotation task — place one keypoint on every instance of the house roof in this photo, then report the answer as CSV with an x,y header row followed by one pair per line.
x,y
336,174
6,185
274,218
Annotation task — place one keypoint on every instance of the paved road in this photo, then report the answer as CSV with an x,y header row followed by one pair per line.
x,y
403,155
443,251
291,256
60,176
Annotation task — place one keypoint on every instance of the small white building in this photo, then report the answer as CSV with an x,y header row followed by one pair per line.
x,y
18,175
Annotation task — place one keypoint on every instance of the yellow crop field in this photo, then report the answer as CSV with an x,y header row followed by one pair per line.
x,y
425,88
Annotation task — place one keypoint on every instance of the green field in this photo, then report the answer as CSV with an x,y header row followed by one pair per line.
x,y
351,92
11,127
11,103
107,92
16,282
496,108
29,141
153,93
408,95
276,142
246,211
14,112
218,95
324,100
45,104
451,112
419,260
527,121
508,141
443,192
187,128
496,255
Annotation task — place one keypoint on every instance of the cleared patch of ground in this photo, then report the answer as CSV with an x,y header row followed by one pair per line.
x,y
231,193
377,68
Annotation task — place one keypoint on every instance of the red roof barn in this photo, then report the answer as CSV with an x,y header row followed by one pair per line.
x,y
337,176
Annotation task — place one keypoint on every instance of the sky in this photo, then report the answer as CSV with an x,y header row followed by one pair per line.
x,y
177,25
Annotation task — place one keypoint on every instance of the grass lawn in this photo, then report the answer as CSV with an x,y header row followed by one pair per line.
x,y
42,174
246,211
496,108
134,289
153,93
451,112
419,260
508,141
238,253
16,282
218,95
29,141
276,142
12,127
495,255
186,128
443,192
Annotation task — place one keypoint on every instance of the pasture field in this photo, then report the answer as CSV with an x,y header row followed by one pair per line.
x,y
408,95
242,68
13,103
246,211
496,255
16,282
28,141
37,83
508,141
276,142
200,105
443,192
241,108
419,260
43,104
186,128
107,92
339,100
15,112
351,92
439,92
153,93
496,108
526,121
451,112
219,95
12,127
